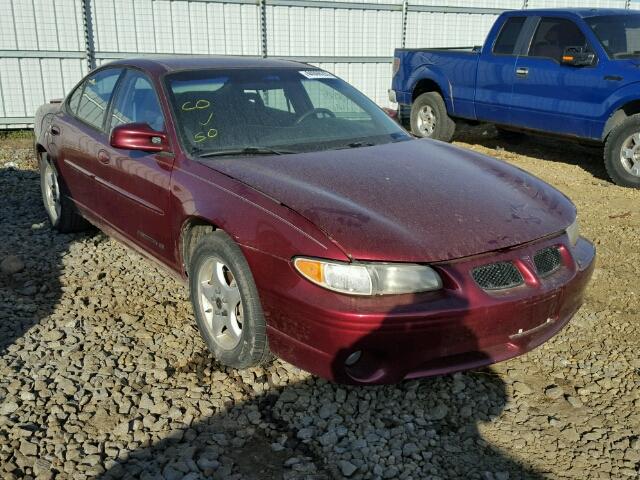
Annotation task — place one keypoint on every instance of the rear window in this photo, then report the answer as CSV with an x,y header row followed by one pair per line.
x,y
508,37
96,95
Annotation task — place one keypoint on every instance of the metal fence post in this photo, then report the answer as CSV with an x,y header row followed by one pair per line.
x,y
262,5
90,50
405,10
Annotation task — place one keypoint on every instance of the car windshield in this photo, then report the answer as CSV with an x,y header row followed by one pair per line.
x,y
274,111
619,34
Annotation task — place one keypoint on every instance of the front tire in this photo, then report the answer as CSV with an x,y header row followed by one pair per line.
x,y
62,213
429,118
622,153
226,303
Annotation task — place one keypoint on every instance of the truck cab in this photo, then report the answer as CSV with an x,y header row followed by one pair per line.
x,y
569,72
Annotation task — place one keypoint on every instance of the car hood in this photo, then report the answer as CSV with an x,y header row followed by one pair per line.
x,y
417,201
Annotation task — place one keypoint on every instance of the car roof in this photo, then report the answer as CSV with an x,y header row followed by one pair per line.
x,y
172,63
579,12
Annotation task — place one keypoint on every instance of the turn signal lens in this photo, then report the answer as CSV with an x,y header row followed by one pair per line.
x,y
369,278
311,269
340,277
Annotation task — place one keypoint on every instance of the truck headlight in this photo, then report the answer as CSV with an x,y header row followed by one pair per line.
x,y
573,232
368,278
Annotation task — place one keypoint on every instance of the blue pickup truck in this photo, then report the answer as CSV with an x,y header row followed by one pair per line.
x,y
572,72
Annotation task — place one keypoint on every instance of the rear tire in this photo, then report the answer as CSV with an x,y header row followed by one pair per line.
x,y
622,153
429,118
61,210
226,303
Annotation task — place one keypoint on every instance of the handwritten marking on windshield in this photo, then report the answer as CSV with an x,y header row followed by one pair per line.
x,y
199,105
208,120
201,136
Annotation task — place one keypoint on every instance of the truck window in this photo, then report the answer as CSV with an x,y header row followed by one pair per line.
x,y
553,36
619,34
506,42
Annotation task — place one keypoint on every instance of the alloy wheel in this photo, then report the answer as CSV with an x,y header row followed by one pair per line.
x,y
630,154
51,191
426,121
220,303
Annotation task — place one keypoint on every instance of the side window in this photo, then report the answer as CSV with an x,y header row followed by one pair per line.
x,y
74,99
553,36
96,95
322,95
136,102
508,36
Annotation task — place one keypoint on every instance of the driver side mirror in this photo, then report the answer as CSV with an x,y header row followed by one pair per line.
x,y
138,136
578,57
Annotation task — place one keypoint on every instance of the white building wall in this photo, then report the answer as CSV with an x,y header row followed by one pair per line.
x,y
43,47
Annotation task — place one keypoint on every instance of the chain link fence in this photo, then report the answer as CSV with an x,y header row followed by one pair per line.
x,y
46,46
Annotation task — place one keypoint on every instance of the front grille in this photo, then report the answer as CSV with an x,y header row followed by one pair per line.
x,y
547,261
497,276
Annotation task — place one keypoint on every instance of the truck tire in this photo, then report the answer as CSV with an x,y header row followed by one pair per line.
x,y
622,153
60,208
429,118
226,303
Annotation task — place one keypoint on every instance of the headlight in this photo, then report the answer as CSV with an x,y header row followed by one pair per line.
x,y
573,232
368,278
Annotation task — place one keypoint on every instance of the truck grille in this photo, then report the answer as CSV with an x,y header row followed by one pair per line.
x,y
547,261
497,276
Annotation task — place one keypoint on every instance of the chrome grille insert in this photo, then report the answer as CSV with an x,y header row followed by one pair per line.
x,y
497,276
547,261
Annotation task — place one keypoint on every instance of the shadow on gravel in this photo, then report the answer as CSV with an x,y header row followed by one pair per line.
x,y
316,430
30,283
587,157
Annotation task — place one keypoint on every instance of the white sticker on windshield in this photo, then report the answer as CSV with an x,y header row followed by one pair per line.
x,y
316,74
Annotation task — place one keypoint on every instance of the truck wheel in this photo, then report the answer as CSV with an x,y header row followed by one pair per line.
x,y
61,211
226,303
429,118
622,153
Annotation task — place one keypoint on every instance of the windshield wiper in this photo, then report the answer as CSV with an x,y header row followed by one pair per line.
x,y
245,151
356,145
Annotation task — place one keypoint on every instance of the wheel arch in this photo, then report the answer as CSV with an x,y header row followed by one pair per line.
x,y
426,85
622,104
192,230
40,150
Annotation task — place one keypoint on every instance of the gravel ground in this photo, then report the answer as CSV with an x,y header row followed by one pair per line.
x,y
103,373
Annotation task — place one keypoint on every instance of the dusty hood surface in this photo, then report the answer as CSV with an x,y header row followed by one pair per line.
x,y
418,201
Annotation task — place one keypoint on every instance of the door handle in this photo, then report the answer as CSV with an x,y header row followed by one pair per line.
x,y
54,130
522,71
103,157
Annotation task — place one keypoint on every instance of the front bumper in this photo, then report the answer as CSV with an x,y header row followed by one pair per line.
x,y
418,335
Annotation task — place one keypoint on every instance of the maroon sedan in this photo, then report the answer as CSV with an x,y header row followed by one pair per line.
x,y
307,223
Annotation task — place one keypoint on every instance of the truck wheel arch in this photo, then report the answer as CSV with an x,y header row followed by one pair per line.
x,y
620,115
426,85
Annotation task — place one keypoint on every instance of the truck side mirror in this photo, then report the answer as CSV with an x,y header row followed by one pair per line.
x,y
578,57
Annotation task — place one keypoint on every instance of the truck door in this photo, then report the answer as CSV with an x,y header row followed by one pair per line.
x,y
552,97
496,68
